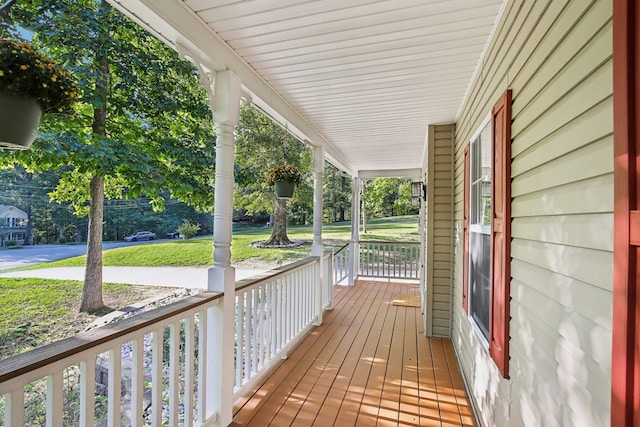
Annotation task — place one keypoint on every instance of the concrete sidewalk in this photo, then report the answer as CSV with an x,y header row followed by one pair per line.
x,y
179,277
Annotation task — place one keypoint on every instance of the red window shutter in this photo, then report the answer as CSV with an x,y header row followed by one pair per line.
x,y
625,363
465,232
501,234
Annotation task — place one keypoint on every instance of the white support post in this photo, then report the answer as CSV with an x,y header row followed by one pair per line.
x,y
355,232
364,209
318,170
220,381
421,257
317,249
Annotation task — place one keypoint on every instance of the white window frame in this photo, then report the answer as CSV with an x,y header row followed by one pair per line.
x,y
475,228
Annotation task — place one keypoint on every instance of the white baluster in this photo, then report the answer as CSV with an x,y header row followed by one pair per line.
x,y
262,325
189,332
247,338
203,332
14,408
280,314
87,392
115,386
55,397
239,339
156,378
137,380
174,374
273,318
253,349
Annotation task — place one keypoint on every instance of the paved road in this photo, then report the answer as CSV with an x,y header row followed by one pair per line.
x,y
37,254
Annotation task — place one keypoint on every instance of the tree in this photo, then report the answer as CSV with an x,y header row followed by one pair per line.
x,y
261,145
337,192
388,197
141,126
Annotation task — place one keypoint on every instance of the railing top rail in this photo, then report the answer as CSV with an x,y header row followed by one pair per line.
x,y
342,248
15,366
275,273
381,242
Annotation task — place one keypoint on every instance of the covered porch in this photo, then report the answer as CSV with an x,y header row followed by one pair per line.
x,y
369,104
503,110
369,363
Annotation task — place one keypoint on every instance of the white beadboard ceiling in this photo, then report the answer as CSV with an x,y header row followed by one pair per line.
x,y
364,78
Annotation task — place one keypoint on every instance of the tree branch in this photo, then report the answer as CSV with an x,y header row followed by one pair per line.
x,y
5,9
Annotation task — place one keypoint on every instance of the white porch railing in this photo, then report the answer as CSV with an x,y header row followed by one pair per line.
x,y
396,260
154,366
341,264
272,314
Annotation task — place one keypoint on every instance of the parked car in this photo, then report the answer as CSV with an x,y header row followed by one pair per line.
x,y
140,235
173,235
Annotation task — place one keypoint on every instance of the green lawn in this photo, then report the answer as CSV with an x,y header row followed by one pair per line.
x,y
38,311
195,252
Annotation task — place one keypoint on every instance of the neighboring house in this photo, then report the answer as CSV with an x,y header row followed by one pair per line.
x,y
13,225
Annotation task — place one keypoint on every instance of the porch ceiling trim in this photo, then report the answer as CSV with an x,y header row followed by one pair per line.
x,y
415,174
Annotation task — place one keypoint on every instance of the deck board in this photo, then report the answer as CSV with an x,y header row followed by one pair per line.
x,y
368,364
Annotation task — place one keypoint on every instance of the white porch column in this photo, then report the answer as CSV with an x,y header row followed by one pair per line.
x,y
423,247
318,170
364,210
317,249
222,275
354,247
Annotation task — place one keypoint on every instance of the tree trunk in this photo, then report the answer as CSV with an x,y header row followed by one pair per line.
x,y
29,230
92,289
279,234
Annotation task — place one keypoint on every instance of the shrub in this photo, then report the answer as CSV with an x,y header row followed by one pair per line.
x,y
10,243
188,229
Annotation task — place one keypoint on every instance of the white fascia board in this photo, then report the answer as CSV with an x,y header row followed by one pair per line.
x,y
391,173
425,147
173,23
481,58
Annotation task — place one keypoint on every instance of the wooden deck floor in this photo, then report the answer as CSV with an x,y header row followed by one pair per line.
x,y
368,364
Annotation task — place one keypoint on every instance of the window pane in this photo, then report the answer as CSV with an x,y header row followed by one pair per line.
x,y
480,230
479,271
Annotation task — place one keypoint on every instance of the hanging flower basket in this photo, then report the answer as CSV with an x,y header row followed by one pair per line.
x,y
284,179
284,189
19,121
30,84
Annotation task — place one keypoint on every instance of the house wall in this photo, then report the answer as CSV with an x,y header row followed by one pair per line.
x,y
10,217
555,55
439,229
